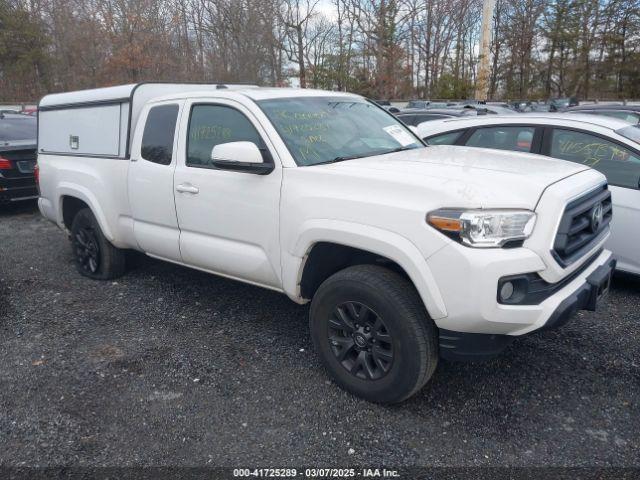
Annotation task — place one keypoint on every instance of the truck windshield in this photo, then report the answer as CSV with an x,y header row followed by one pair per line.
x,y
330,129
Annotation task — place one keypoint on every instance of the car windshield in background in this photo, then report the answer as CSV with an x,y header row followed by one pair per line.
x,y
17,127
631,132
330,129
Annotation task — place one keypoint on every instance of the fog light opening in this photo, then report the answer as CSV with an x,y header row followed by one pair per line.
x,y
506,291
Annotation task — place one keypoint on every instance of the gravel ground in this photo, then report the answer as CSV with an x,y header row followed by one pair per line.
x,y
170,366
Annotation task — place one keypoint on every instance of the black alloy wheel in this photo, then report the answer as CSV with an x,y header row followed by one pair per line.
x,y
94,256
360,341
373,334
87,249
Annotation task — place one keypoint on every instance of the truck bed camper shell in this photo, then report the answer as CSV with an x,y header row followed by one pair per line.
x,y
98,122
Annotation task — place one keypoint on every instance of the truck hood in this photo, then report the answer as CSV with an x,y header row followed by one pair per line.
x,y
470,177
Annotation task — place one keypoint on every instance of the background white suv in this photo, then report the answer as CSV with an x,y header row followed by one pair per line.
x,y
609,145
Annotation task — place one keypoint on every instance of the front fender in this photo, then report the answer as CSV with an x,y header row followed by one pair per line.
x,y
372,239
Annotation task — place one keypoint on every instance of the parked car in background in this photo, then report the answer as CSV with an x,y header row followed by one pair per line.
x,y
609,145
30,110
557,104
415,116
491,108
526,106
480,104
386,104
499,104
10,108
521,105
427,104
628,113
17,157
404,252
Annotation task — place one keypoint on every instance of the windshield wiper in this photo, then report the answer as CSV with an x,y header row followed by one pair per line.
x,y
341,159
353,157
399,149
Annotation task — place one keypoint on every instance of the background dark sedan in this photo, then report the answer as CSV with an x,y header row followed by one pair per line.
x,y
557,104
17,157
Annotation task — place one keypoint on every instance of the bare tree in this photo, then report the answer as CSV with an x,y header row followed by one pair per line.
x,y
296,15
381,48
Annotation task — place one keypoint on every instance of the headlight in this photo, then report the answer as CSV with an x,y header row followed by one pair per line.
x,y
483,228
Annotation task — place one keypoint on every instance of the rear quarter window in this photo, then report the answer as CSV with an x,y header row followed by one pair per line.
x,y
16,129
516,138
158,135
449,138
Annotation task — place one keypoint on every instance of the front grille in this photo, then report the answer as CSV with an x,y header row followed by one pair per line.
x,y
583,222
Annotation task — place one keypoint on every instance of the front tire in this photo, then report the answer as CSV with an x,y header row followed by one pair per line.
x,y
373,333
94,256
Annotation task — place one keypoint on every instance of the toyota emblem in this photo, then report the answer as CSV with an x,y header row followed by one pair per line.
x,y
597,215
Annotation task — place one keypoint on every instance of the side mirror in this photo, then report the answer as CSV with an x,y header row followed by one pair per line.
x,y
240,157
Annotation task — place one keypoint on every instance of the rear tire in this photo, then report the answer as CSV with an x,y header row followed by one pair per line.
x,y
94,256
373,333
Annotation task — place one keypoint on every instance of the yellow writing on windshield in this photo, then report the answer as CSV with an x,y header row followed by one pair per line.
x,y
305,128
287,115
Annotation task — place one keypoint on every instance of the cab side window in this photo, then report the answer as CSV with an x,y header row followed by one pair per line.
x,y
619,164
519,139
158,135
211,125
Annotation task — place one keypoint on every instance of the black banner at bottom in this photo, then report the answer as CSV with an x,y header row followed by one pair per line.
x,y
408,473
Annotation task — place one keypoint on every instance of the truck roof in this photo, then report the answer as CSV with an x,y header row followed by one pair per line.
x,y
256,94
140,93
126,93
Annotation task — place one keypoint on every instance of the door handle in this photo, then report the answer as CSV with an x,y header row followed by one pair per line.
x,y
187,188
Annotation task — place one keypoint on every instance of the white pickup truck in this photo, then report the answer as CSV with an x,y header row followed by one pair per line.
x,y
407,253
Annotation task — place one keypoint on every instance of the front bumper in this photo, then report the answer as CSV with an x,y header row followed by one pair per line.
x,y
468,280
477,346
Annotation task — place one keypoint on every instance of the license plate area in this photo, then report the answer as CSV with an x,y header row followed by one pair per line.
x,y
603,288
600,282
